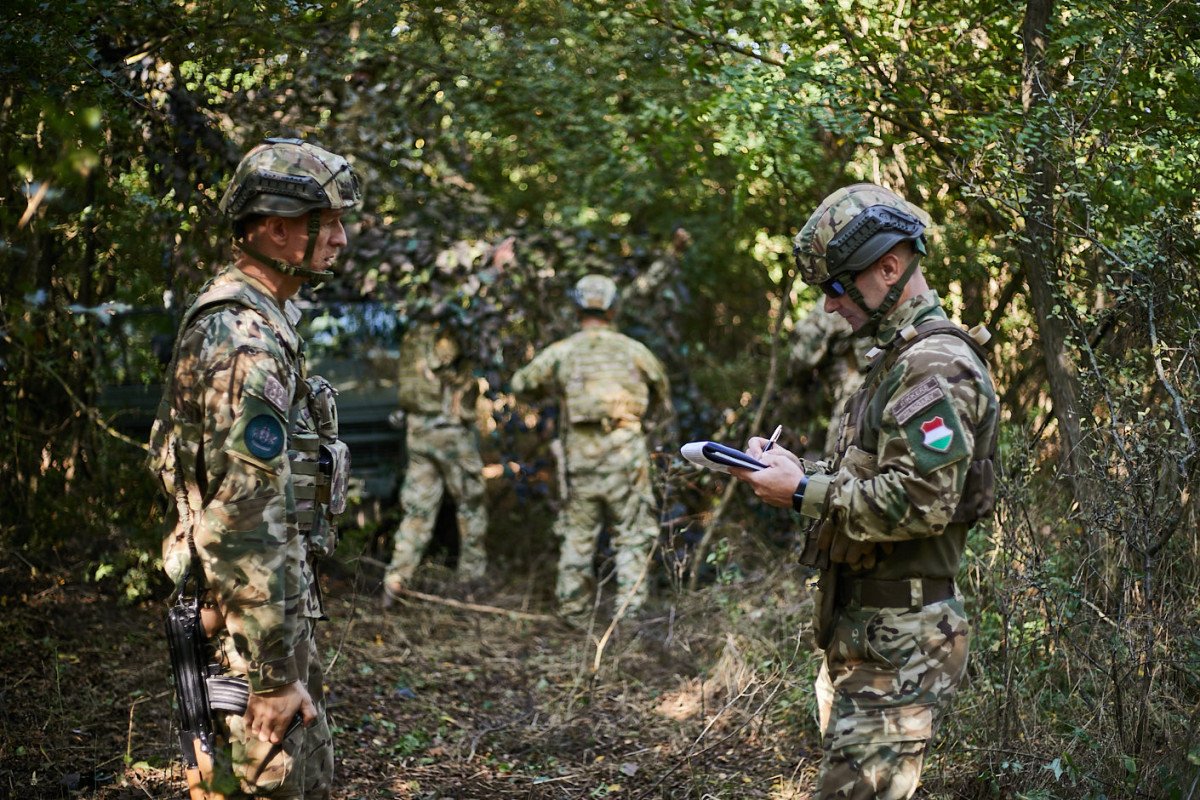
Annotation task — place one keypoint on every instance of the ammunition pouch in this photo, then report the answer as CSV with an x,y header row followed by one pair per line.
x,y
323,407
320,469
319,478
335,466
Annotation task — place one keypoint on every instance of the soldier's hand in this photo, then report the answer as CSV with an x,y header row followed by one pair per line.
x,y
754,449
504,254
775,484
269,714
855,554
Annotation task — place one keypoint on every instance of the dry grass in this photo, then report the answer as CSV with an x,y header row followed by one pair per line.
x,y
694,700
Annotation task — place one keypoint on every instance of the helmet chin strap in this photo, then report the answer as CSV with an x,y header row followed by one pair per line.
x,y
304,270
876,315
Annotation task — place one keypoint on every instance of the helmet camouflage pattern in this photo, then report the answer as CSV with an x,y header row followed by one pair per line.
x,y
595,293
853,228
288,178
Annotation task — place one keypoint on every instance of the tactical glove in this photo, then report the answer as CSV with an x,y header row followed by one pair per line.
x,y
859,556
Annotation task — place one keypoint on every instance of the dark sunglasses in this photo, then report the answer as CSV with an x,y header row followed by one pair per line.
x,y
836,287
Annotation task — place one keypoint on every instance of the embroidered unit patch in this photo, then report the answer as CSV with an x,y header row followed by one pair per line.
x,y
917,399
938,437
264,437
275,394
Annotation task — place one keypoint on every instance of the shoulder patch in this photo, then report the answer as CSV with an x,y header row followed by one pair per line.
x,y
935,437
275,394
917,399
264,437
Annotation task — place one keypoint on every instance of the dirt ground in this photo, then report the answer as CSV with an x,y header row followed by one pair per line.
x,y
436,698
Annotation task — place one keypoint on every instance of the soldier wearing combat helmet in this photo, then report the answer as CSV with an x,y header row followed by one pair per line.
x,y
912,471
606,383
246,444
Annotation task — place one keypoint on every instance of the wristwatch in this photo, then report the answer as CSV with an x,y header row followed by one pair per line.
x,y
798,495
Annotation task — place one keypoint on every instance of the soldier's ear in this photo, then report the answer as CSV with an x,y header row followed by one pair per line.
x,y
891,266
276,230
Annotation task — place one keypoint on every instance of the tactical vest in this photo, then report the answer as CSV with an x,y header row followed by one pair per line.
x,y
427,383
602,385
320,462
979,493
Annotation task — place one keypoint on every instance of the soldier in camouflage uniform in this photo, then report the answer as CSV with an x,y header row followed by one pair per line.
x,y
437,395
824,342
913,471
240,433
606,383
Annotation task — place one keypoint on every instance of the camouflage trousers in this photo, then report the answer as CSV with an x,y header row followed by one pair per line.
x,y
608,482
441,458
303,768
887,678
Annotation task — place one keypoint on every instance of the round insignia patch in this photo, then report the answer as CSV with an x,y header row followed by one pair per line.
x,y
264,437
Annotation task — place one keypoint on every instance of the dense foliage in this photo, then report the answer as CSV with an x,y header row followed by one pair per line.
x,y
1054,144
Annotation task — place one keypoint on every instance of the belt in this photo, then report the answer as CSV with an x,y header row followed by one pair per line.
x,y
910,593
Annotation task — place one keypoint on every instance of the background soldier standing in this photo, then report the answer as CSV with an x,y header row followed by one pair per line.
x,y
826,351
438,395
913,471
605,382
238,435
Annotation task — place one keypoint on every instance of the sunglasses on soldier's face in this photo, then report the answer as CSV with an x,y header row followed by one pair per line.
x,y
836,287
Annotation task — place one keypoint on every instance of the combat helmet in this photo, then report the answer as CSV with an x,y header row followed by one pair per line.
x,y
852,229
289,178
595,293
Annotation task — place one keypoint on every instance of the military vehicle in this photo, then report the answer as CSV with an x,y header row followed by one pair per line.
x,y
352,344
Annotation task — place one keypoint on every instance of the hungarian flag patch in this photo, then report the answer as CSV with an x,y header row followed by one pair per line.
x,y
938,437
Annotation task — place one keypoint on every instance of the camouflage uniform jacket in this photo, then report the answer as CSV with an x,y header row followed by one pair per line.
x,y
604,378
432,383
924,417
219,447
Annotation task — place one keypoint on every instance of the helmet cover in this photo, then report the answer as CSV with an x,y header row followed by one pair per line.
x,y
595,293
853,228
288,178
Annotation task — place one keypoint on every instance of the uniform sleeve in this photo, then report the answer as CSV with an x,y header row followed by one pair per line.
x,y
656,379
935,398
536,379
250,549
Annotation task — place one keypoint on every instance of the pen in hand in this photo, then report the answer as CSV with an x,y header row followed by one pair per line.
x,y
774,437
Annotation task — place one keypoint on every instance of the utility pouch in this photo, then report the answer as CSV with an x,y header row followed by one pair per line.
x,y
185,639
823,589
323,407
335,466
859,463
979,493
816,546
309,485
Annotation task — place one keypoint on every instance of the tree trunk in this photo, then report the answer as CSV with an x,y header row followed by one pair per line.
x,y
1040,250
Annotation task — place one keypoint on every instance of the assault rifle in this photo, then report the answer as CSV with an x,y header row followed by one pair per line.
x,y
188,646
200,689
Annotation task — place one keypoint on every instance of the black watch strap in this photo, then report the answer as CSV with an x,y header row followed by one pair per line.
x,y
798,495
